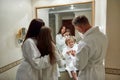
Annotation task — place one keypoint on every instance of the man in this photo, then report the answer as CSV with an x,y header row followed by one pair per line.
x,y
91,50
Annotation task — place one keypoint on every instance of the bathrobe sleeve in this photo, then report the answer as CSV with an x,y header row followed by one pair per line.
x,y
31,53
82,56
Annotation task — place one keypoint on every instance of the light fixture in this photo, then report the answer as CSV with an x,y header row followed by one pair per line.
x,y
71,6
52,8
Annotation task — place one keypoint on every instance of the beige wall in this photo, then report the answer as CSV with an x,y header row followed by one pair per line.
x,y
14,14
113,32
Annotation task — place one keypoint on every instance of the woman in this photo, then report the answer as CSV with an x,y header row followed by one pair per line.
x,y
48,48
29,69
60,39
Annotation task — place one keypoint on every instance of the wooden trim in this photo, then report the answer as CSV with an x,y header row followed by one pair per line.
x,y
9,66
36,15
63,5
112,71
93,13
36,8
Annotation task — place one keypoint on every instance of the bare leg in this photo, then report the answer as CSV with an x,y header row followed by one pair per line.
x,y
74,75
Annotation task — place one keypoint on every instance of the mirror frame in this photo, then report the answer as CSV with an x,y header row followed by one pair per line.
x,y
93,9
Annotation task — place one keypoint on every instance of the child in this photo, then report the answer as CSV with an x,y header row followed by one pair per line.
x,y
69,58
46,47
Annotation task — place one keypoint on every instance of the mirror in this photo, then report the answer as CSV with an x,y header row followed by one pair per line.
x,y
58,15
62,15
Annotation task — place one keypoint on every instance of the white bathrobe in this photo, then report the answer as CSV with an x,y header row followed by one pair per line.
x,y
36,69
60,42
91,55
70,60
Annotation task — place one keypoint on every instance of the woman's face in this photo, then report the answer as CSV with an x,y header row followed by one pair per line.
x,y
63,29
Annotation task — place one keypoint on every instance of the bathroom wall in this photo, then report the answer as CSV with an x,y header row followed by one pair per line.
x,y
14,14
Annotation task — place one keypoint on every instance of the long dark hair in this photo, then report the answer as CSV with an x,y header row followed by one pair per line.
x,y
45,44
59,32
34,28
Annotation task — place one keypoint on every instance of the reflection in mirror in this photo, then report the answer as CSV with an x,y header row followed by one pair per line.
x,y
59,18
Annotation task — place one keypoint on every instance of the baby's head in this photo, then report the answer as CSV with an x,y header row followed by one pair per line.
x,y
70,41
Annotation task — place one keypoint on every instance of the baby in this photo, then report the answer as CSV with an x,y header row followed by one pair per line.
x,y
68,53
